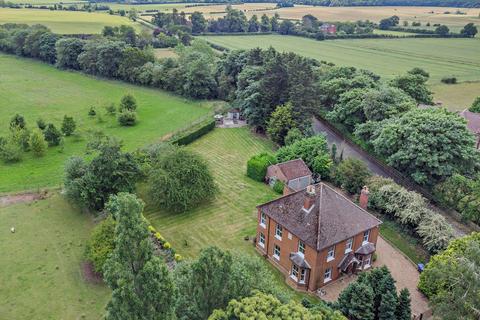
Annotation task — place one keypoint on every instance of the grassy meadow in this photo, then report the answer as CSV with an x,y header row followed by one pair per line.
x,y
37,90
386,57
41,266
64,22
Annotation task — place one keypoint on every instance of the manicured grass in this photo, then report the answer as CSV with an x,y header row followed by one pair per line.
x,y
232,214
35,90
457,97
386,57
41,276
65,22
406,244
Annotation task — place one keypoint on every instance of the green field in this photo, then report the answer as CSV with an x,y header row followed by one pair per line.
x,y
64,22
232,215
41,274
456,97
35,89
386,57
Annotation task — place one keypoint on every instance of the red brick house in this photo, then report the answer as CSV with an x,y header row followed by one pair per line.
x,y
328,28
315,235
294,174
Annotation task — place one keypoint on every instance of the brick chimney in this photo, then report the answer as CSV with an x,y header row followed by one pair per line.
x,y
364,197
309,200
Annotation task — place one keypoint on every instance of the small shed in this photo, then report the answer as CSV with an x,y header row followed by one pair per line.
x,y
233,114
294,174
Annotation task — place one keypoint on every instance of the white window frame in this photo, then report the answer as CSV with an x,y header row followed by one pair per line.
x,y
275,255
349,245
301,247
327,275
331,254
295,272
263,220
303,275
366,234
261,240
367,263
278,232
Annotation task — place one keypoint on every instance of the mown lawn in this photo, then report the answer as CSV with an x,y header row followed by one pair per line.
x,y
456,97
40,267
386,57
65,22
231,215
37,90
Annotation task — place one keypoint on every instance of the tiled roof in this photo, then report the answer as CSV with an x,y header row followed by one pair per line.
x,y
366,248
299,260
473,120
294,169
332,219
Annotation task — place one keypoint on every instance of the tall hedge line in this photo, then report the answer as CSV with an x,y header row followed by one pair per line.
x,y
194,133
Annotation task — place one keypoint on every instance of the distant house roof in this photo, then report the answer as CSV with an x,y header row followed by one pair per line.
x,y
473,120
332,219
294,169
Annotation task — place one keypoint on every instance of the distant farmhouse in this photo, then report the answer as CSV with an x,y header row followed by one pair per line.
x,y
294,174
316,234
473,124
328,28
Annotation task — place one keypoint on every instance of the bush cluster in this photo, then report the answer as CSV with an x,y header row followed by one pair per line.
x,y
257,166
411,210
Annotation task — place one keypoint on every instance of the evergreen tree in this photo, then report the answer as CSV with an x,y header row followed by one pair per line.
x,y
142,287
37,142
18,121
52,135
403,311
265,24
388,306
128,102
68,126
361,302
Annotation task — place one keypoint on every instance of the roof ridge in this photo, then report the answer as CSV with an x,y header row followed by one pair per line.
x,y
319,214
356,205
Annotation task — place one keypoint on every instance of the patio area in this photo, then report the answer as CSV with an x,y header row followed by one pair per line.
x,y
403,271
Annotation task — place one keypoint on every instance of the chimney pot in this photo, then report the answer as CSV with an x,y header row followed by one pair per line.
x,y
364,197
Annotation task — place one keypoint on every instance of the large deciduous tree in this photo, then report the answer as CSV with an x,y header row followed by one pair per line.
x,y
142,287
179,180
428,145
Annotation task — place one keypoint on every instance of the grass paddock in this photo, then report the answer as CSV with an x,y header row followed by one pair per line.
x,y
37,90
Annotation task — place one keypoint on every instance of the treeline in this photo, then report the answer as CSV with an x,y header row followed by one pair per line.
x,y
348,3
380,115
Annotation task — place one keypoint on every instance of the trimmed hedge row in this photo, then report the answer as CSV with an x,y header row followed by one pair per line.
x,y
193,133
257,166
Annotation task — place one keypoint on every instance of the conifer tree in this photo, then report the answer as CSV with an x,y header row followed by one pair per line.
x,y
403,311
142,287
388,306
361,303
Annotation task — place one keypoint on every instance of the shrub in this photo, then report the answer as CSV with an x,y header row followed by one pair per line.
x,y
41,124
128,102
167,245
68,126
351,175
475,107
322,165
101,243
278,187
258,164
52,135
111,109
37,142
293,135
127,118
18,121
178,257
92,112
449,80
11,150
435,232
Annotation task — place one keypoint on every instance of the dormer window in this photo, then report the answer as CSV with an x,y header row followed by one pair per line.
x,y
278,232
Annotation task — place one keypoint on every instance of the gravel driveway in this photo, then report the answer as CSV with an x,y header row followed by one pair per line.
x,y
403,271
